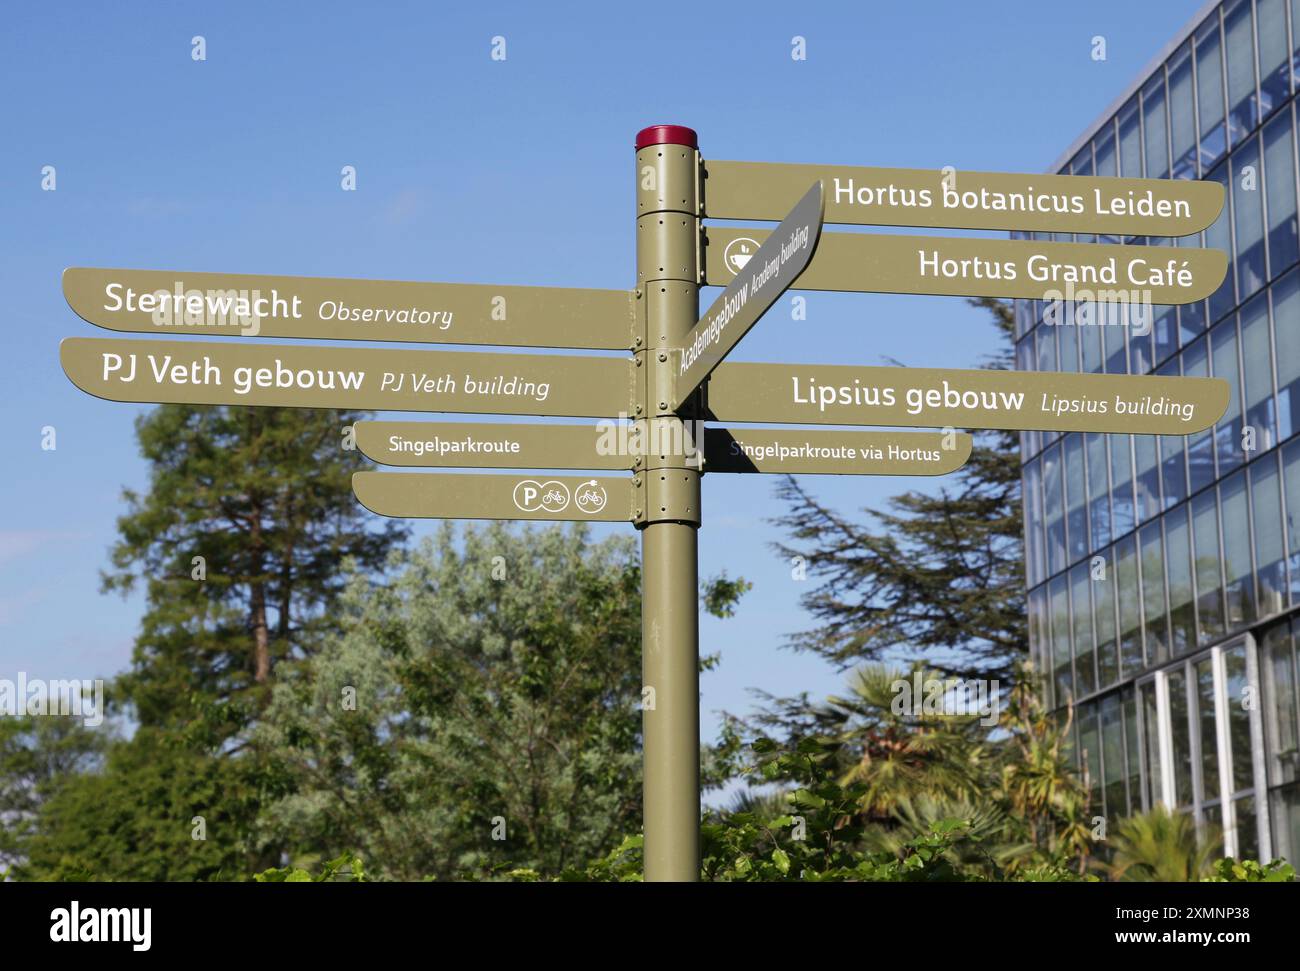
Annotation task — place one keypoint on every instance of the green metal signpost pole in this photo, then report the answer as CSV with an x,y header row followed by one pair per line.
x,y
668,240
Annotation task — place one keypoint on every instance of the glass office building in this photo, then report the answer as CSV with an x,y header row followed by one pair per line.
x,y
1164,572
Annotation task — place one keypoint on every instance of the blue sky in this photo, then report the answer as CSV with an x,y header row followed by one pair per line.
x,y
474,170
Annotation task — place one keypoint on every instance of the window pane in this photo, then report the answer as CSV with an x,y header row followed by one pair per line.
x,y
1085,670
1033,502
1152,784
1112,338
1130,141
1274,80
1209,92
1247,829
1060,603
1173,470
1075,500
1182,119
1295,31
1147,476
1243,109
1223,364
1121,472
1209,591
1103,602
1234,664
1200,446
1285,805
1164,330
1248,208
1047,348
1153,120
1282,708
1090,344
1130,616
1098,490
1286,335
1153,594
1178,567
1182,747
1291,489
1112,753
1069,338
1131,752
1279,179
1209,739
1053,510
1239,588
1104,146
1090,749
1219,236
1257,373
1270,555
1040,644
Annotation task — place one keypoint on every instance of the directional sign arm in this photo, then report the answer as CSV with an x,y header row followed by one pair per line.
x,y
170,302
851,452
957,199
483,445
758,282
831,394
968,267
452,496
362,379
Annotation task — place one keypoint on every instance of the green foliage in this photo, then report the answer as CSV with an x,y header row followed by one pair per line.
x,y
491,689
347,868
937,576
1162,845
264,496
135,820
1228,870
38,756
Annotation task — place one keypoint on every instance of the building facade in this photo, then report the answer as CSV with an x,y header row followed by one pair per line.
x,y
1164,572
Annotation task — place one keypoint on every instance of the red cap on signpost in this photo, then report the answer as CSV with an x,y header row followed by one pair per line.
x,y
666,135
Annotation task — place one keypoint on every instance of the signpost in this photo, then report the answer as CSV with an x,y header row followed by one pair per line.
x,y
654,402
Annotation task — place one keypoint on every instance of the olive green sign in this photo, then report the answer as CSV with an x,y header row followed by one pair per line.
x,y
618,446
831,394
444,495
968,267
955,199
199,372
798,452
758,281
237,305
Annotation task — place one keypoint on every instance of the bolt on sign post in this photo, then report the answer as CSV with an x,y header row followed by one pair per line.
x,y
650,446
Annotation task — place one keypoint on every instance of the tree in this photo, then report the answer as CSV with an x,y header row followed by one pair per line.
x,y
159,810
240,539
482,708
38,755
935,573
240,543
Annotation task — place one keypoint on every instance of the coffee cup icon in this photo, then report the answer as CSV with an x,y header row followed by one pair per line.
x,y
739,252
